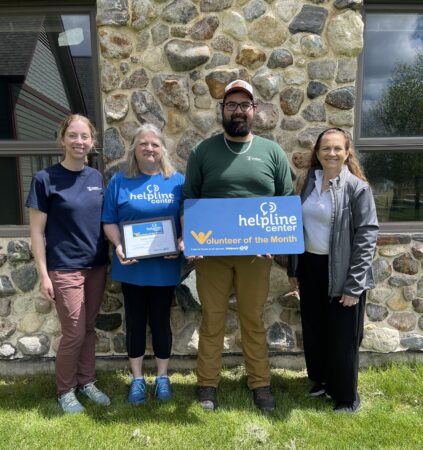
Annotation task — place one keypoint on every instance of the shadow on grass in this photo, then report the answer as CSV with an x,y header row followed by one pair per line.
x,y
289,389
38,393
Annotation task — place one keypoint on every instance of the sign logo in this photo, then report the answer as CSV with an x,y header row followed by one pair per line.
x,y
269,220
201,237
144,229
267,207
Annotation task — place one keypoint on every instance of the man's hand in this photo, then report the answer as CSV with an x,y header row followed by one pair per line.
x,y
267,256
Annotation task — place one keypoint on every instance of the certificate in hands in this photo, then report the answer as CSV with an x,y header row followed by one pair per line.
x,y
149,238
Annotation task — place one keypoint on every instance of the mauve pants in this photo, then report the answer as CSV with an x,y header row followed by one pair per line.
x,y
78,297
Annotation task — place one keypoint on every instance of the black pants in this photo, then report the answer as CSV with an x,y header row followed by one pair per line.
x,y
148,304
332,332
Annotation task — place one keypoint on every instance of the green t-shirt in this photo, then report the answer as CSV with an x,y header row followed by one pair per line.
x,y
214,171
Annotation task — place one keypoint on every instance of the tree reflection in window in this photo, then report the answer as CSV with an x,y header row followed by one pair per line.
x,y
392,103
399,111
397,182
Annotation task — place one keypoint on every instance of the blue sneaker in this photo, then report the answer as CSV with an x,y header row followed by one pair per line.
x,y
137,392
162,388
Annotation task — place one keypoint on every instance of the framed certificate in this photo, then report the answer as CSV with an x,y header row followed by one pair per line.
x,y
149,238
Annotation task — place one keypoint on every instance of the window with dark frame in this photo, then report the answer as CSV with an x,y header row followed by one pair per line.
x,y
389,123
47,71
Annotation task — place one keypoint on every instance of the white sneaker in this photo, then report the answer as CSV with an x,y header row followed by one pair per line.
x,y
94,394
70,403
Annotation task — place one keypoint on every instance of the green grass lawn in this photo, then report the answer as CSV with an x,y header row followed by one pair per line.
x,y
391,417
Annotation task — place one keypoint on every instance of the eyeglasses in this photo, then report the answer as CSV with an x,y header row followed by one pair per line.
x,y
233,106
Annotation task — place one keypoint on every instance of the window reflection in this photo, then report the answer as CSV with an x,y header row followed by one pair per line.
x,y
45,74
397,183
393,75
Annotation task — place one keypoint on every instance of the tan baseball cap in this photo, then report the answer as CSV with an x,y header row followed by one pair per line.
x,y
239,86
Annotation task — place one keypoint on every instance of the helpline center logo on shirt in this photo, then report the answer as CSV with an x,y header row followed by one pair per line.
x,y
153,195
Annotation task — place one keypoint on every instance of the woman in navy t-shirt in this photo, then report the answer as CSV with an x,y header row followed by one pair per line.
x,y
150,188
70,252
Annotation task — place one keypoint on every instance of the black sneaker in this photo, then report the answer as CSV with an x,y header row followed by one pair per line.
x,y
207,397
264,399
348,407
317,390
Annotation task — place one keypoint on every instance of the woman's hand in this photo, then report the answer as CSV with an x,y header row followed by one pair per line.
x,y
347,300
46,288
293,283
181,248
295,286
181,244
121,257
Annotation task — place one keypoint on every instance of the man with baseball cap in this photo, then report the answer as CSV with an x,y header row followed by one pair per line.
x,y
235,163
239,86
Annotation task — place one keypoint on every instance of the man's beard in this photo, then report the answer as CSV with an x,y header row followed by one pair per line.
x,y
236,128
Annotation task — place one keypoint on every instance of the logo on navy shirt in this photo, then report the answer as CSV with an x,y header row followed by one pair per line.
x,y
93,188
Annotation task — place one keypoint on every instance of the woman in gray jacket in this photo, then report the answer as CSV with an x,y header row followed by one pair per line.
x,y
340,233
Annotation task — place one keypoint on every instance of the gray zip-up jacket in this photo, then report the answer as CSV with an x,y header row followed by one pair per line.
x,y
353,235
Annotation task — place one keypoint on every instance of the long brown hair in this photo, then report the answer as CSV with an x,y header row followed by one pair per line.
x,y
351,162
133,169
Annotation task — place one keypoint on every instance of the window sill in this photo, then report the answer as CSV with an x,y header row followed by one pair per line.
x,y
18,231
14,231
401,228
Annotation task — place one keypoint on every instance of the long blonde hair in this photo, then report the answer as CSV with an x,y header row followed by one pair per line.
x,y
66,123
133,170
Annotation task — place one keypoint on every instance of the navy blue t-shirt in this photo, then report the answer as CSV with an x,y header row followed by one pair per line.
x,y
73,202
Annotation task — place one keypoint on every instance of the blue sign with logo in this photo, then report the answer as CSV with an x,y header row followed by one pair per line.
x,y
147,228
243,226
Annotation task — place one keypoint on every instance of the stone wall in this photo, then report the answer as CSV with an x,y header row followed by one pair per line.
x,y
393,322
167,62
394,310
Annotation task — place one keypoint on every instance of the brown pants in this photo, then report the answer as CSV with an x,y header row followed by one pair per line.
x,y
78,298
216,277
